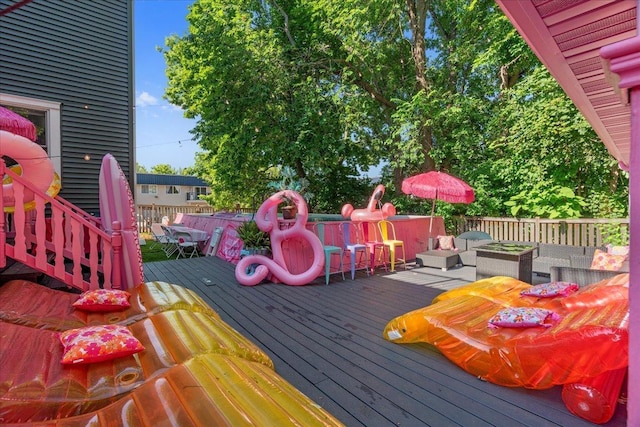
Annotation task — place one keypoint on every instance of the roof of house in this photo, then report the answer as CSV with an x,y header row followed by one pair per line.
x,y
568,37
154,179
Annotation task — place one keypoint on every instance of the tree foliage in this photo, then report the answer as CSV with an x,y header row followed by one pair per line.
x,y
330,88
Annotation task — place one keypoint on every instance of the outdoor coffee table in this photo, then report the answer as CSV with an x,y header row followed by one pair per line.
x,y
504,259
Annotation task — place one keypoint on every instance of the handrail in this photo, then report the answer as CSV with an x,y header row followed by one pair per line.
x,y
68,245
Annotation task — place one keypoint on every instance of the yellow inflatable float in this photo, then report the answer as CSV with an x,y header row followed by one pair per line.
x,y
188,366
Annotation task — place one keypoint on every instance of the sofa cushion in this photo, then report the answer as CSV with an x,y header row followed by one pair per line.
x,y
618,250
559,251
475,235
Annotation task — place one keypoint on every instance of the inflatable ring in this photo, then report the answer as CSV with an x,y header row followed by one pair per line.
x,y
35,165
52,191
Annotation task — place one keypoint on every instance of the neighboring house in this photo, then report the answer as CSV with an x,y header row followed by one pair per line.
x,y
170,190
68,66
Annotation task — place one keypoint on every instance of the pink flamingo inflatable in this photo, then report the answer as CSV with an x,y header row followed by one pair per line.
x,y
267,221
370,213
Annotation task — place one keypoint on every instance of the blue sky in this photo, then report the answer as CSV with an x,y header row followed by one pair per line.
x,y
162,132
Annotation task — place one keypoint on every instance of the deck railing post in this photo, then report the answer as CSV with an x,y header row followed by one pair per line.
x,y
116,242
3,231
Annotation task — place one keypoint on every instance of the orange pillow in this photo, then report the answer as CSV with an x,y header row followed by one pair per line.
x,y
604,261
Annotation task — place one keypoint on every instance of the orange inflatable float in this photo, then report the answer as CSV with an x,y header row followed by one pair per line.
x,y
583,342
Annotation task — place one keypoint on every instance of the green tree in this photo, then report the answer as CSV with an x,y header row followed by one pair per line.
x,y
140,168
330,88
163,169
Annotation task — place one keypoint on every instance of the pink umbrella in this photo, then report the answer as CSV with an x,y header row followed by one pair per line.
x,y
16,124
438,186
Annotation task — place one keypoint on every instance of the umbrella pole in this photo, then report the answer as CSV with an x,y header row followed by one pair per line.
x,y
433,208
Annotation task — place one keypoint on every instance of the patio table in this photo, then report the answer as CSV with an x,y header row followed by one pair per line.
x,y
196,235
504,259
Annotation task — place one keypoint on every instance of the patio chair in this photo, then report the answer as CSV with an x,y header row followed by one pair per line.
x,y
330,248
353,242
388,234
172,243
375,245
186,246
159,238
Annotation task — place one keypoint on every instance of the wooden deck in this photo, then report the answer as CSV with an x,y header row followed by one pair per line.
x,y
327,341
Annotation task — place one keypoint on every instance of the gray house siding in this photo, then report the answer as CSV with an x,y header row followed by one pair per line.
x,y
78,53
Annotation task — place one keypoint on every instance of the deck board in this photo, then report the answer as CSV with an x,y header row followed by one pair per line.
x,y
327,341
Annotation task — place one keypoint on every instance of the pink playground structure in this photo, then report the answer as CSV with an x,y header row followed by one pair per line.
x,y
69,242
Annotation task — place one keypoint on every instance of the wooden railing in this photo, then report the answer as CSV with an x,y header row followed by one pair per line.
x,y
577,232
149,214
57,238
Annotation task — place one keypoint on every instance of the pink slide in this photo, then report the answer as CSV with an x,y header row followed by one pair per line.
x,y
267,220
116,204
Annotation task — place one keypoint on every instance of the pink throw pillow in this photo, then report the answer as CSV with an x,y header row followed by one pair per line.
x,y
604,261
103,300
445,243
549,290
522,317
97,343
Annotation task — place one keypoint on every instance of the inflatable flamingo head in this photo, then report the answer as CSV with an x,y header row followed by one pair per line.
x,y
371,212
346,210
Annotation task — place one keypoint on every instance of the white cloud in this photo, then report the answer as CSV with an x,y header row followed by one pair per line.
x,y
145,99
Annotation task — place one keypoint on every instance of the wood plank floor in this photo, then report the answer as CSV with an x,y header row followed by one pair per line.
x,y
327,341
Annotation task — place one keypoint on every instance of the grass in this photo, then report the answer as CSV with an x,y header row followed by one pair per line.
x,y
149,254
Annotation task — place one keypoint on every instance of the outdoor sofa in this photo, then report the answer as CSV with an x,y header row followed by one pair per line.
x,y
545,257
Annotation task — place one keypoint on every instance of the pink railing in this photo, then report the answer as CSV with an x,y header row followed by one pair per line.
x,y
57,238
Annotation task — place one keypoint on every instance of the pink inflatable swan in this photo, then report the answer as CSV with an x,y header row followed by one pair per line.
x,y
267,221
370,213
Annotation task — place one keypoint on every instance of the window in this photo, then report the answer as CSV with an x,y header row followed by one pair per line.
x,y
149,189
46,116
200,191
173,189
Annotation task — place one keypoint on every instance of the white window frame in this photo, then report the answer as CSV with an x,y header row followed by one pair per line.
x,y
151,189
176,187
52,123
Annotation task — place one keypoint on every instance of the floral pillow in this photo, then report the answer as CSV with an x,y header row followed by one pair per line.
x,y
604,261
553,289
103,300
523,317
98,343
445,243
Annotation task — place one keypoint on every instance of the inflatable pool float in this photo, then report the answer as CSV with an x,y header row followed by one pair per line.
x,y
584,335
194,369
534,357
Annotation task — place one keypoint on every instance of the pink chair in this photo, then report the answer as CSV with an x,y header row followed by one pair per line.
x,y
374,244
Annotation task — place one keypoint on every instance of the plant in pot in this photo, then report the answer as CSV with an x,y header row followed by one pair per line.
x,y
290,181
256,241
